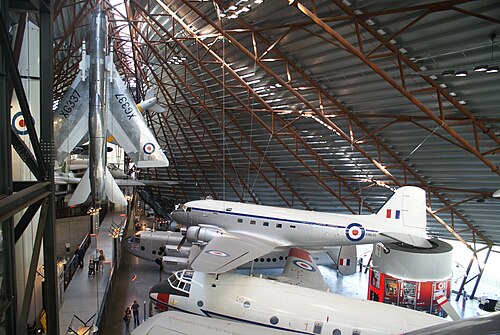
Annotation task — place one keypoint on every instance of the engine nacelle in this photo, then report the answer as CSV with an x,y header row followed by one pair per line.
x,y
169,261
174,250
202,234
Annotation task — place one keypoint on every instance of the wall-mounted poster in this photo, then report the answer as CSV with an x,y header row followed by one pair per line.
x,y
391,291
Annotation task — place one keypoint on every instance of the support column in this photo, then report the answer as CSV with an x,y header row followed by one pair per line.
x,y
8,303
47,141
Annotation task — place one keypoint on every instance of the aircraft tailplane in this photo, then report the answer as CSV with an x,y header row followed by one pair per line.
x,y
416,241
405,217
112,190
345,258
82,191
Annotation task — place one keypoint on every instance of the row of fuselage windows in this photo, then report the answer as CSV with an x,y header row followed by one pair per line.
x,y
266,224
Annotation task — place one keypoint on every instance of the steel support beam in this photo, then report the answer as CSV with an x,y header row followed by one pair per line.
x,y
30,281
26,219
47,143
21,96
16,202
8,300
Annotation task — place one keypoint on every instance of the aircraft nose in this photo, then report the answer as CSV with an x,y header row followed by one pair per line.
x,y
180,216
160,294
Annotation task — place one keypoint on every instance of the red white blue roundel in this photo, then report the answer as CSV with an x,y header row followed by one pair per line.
x,y
148,148
217,253
19,124
355,232
303,265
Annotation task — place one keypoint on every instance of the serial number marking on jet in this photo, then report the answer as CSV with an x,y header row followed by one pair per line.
x,y
217,253
70,104
126,106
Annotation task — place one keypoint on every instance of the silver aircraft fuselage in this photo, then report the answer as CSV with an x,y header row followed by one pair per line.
x,y
97,107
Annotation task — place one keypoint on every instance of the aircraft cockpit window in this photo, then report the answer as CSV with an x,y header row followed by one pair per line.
x,y
181,280
136,238
188,209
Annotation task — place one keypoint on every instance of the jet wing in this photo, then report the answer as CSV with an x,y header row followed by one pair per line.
x,y
481,325
129,128
178,323
141,182
71,118
301,270
228,251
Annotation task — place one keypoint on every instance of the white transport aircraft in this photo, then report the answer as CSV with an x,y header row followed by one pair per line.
x,y
296,302
163,247
233,233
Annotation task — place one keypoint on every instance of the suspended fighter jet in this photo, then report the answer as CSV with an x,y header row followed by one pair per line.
x,y
234,233
98,104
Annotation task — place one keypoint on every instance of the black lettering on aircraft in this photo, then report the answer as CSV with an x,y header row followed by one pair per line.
x,y
127,108
70,104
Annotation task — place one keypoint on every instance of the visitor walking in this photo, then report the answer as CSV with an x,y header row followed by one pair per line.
x,y
135,310
126,319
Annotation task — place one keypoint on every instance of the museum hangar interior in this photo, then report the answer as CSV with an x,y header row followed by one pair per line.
x,y
321,106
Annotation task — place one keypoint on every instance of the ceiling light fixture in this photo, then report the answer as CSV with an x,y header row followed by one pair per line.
x,y
448,73
461,74
492,69
481,68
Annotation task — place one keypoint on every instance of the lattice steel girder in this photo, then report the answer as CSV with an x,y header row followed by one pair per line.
x,y
16,202
219,149
167,144
275,117
222,126
21,95
440,121
323,92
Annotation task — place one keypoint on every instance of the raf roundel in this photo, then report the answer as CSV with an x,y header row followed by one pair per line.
x,y
303,265
355,232
148,148
217,253
19,124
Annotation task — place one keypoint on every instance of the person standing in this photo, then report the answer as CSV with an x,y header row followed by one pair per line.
x,y
135,310
101,259
79,255
126,319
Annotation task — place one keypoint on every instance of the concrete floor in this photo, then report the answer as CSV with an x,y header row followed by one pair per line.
x,y
133,281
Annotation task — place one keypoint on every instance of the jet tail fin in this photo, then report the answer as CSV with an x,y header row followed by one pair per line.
x,y
405,216
345,258
82,191
112,190
448,308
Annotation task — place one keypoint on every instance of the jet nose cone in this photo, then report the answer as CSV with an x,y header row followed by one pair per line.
x,y
180,216
160,294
